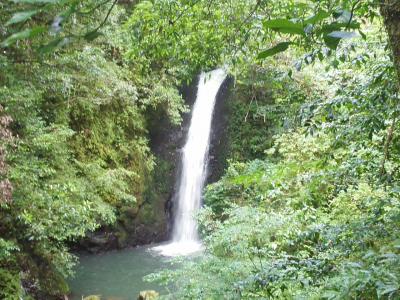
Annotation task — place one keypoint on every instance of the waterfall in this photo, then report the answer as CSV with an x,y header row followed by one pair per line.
x,y
185,239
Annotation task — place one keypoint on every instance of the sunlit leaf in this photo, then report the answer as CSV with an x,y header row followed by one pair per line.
x,y
92,35
21,16
331,42
25,34
319,16
343,34
274,50
284,26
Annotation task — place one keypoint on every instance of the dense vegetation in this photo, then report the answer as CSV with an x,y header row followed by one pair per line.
x,y
309,205
79,157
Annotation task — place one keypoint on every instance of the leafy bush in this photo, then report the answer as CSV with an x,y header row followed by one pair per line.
x,y
10,287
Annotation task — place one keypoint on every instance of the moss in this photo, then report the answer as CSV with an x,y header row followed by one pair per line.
x,y
261,106
10,285
390,10
147,215
53,283
158,191
113,135
122,236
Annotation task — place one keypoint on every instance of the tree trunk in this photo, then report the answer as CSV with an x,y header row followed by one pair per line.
x,y
390,10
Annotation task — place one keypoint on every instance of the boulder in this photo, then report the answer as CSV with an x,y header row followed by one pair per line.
x,y
92,297
148,295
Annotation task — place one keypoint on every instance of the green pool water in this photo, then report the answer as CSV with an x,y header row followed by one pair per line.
x,y
116,275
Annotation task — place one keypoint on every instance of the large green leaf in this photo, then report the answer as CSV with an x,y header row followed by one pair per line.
x,y
92,35
343,34
319,16
54,44
284,26
335,26
21,35
333,38
37,1
21,16
343,15
331,42
274,50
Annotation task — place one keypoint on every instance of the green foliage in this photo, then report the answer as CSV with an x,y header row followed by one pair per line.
x,y
319,26
52,203
274,50
264,102
25,34
53,23
185,37
10,287
80,158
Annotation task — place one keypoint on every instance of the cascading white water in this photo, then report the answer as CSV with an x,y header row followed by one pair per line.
x,y
185,238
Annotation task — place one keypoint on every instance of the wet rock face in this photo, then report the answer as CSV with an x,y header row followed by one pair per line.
x,y
99,241
167,141
219,134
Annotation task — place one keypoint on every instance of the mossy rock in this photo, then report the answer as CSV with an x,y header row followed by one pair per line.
x,y
148,295
127,221
130,212
122,237
92,297
52,282
147,215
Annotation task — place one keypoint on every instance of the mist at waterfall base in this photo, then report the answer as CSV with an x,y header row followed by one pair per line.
x,y
185,239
